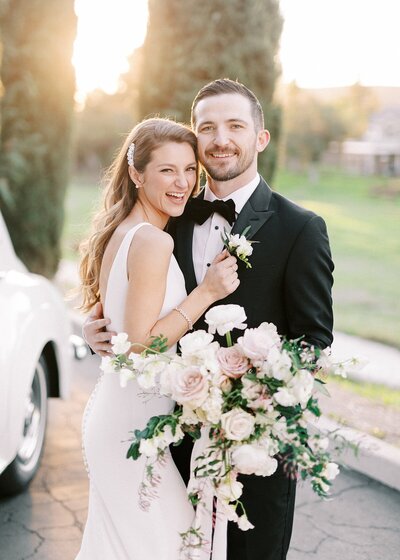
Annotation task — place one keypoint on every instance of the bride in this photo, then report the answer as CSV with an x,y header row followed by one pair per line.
x,y
128,265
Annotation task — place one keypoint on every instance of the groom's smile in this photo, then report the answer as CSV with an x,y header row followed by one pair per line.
x,y
227,139
222,156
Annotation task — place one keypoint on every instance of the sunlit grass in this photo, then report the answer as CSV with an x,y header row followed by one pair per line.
x,y
364,232
378,393
80,204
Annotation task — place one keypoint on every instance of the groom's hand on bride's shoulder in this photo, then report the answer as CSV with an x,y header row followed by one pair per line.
x,y
93,331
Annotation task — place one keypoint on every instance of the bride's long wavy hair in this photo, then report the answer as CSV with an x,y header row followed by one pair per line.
x,y
120,195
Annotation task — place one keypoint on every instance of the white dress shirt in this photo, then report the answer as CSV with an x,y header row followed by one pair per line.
x,y
207,242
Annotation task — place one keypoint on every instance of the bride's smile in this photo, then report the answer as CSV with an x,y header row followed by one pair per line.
x,y
168,180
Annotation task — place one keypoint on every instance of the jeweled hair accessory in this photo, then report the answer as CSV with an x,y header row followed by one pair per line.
x,y
130,153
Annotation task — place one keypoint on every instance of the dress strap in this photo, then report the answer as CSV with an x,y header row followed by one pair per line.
x,y
121,256
118,276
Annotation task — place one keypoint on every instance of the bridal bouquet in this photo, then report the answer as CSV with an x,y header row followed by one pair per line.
x,y
252,401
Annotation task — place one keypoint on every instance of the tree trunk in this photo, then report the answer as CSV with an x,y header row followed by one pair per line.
x,y
191,43
36,112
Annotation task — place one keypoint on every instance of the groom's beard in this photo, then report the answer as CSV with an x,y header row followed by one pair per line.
x,y
220,172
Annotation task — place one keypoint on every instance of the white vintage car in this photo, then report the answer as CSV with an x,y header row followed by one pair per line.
x,y
35,359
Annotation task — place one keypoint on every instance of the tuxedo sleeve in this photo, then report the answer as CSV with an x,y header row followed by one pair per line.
x,y
308,285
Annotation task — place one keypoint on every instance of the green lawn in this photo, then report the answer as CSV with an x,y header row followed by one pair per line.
x,y
80,204
378,393
364,231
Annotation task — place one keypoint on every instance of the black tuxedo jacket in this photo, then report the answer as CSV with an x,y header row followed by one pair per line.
x,y
289,285
290,281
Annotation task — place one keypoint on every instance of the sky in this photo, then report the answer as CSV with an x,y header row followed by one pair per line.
x,y
338,42
324,43
108,31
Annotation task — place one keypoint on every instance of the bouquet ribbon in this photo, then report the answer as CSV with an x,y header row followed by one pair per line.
x,y
215,544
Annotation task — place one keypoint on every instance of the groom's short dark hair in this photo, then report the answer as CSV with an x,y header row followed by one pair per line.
x,y
225,85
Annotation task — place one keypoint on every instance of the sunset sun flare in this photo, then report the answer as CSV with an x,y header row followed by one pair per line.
x,y
108,32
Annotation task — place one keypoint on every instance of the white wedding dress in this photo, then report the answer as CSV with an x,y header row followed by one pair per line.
x,y
117,528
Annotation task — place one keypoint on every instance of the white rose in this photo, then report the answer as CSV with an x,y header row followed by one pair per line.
x,y
237,424
224,318
301,386
257,343
330,471
120,343
194,342
254,459
244,524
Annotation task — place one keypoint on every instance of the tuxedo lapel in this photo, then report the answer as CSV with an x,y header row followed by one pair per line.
x,y
183,252
255,212
183,249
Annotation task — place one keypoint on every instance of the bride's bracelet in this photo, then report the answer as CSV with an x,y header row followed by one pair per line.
x,y
185,316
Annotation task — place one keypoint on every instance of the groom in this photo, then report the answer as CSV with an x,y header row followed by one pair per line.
x,y
289,283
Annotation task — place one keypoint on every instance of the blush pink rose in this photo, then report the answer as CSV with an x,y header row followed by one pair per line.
x,y
232,361
256,343
189,386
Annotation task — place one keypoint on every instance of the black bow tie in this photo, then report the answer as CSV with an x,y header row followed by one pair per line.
x,y
199,210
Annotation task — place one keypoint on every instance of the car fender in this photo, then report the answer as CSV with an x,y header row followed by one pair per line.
x,y
33,315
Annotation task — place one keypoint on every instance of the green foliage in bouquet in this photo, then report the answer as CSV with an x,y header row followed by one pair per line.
x,y
253,403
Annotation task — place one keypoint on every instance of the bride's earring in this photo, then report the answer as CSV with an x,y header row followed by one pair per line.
x,y
135,177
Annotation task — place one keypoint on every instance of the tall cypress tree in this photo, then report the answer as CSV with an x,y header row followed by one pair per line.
x,y
191,43
36,114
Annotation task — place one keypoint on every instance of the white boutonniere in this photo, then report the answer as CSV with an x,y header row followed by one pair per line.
x,y
238,245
